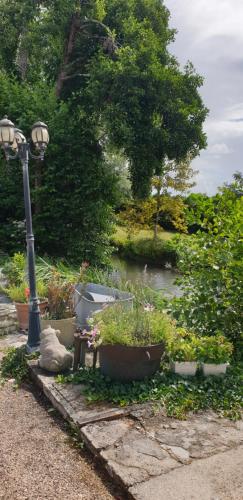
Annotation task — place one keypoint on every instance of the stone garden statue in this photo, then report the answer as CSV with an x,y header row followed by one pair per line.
x,y
54,357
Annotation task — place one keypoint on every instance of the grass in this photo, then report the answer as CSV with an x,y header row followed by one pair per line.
x,y
143,248
121,235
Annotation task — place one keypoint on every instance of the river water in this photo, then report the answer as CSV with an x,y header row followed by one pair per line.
x,y
157,278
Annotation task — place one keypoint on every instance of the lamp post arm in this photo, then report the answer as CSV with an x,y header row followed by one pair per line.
x,y
34,311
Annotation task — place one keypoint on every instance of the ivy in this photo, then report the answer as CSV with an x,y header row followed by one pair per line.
x,y
178,396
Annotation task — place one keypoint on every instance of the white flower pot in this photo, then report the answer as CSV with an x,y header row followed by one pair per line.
x,y
213,369
67,328
185,368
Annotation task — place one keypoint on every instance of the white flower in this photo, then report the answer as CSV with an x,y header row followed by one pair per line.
x,y
148,308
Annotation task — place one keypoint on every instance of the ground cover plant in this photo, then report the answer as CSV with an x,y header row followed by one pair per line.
x,y
178,396
14,364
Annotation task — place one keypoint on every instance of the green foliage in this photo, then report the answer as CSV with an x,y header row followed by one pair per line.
x,y
213,274
200,209
184,349
150,251
98,73
14,364
139,326
215,350
177,396
17,289
21,293
146,214
14,269
74,164
159,103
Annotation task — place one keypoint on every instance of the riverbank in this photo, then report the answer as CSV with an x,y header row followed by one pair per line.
x,y
141,247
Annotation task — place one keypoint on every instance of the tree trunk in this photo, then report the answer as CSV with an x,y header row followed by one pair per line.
x,y
156,222
70,43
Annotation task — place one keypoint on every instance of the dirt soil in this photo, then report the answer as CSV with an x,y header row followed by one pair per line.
x,y
37,458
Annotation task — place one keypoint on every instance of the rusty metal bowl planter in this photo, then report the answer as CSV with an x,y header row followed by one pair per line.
x,y
127,363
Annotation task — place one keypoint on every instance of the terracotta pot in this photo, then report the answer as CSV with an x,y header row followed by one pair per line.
x,y
67,328
23,313
127,363
184,368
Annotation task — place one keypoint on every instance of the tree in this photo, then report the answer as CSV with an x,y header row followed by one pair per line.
x,y
106,70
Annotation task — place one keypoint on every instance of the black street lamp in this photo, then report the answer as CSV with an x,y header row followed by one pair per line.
x,y
13,140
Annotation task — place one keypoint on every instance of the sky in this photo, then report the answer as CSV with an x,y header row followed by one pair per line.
x,y
210,35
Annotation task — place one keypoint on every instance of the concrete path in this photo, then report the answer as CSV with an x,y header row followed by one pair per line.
x,y
216,478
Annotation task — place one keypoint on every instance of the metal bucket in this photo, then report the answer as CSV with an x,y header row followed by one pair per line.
x,y
90,298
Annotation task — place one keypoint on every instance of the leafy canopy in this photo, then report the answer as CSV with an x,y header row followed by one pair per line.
x,y
100,74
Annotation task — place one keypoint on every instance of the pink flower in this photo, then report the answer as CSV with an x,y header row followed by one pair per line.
x,y
94,332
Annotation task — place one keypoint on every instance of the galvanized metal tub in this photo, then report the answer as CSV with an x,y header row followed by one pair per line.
x,y
90,298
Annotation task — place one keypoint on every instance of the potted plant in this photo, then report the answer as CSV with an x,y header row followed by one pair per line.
x,y
215,354
20,296
60,313
130,341
183,354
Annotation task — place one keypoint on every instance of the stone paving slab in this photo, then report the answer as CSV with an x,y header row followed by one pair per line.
x,y
215,478
70,400
207,434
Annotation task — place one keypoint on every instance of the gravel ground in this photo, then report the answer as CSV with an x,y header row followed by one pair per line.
x,y
37,460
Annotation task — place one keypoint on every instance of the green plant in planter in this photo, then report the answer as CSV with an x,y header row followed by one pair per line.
x,y
20,294
184,350
141,326
60,298
183,346
215,350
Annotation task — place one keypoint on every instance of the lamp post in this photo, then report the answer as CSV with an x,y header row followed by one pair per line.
x,y
12,141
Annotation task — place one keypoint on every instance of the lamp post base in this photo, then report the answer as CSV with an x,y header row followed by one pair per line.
x,y
32,349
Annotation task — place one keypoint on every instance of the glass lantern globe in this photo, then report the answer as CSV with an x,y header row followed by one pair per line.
x,y
40,135
6,132
18,138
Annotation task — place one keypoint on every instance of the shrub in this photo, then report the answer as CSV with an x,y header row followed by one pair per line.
x,y
151,251
14,269
212,269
